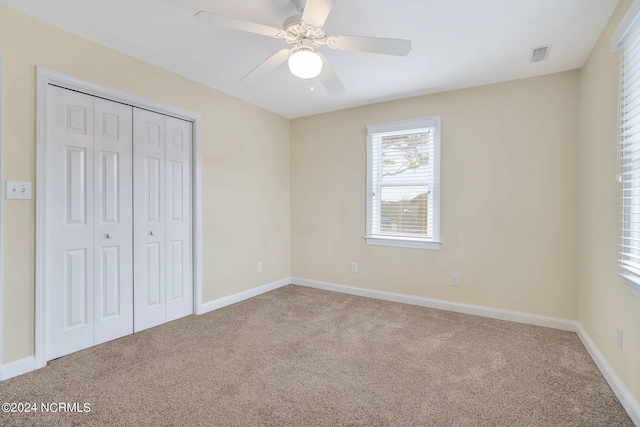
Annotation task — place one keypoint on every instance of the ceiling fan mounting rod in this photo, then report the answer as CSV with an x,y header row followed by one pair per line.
x,y
298,4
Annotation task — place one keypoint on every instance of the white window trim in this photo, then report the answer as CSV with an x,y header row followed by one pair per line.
x,y
403,243
407,242
631,284
621,31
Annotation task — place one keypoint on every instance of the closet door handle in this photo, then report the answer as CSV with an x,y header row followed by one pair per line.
x,y
109,235
153,233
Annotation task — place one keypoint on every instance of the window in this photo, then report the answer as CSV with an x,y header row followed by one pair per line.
x,y
629,150
403,197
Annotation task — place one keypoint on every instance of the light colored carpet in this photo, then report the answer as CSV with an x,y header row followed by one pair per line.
x,y
299,356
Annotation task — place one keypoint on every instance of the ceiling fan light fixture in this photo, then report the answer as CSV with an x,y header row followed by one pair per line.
x,y
305,63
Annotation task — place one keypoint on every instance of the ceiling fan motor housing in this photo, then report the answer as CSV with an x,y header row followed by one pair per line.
x,y
291,21
300,34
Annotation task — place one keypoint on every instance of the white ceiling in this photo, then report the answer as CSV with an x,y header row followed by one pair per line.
x,y
456,44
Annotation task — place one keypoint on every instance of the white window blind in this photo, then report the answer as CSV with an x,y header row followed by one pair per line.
x,y
629,158
402,184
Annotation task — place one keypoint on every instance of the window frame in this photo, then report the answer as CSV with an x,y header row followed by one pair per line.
x,y
405,126
628,25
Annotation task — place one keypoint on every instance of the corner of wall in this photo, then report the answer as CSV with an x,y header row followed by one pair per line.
x,y
603,303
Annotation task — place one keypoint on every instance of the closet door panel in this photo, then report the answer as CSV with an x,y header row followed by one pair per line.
x,y
118,220
179,218
149,219
113,198
69,245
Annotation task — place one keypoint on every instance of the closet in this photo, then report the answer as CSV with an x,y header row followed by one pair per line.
x,y
118,243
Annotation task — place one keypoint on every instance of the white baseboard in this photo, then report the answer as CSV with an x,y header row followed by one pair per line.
x,y
621,391
478,310
241,296
18,367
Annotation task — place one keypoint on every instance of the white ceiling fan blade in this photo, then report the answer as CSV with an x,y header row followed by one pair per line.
x,y
316,12
396,47
268,65
238,24
329,78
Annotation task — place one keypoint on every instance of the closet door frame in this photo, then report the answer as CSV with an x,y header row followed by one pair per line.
x,y
47,77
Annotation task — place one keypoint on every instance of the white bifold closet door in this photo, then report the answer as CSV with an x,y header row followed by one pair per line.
x,y
118,244
89,260
162,219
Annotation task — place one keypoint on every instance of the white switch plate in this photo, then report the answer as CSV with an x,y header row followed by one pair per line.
x,y
354,267
455,279
259,267
18,190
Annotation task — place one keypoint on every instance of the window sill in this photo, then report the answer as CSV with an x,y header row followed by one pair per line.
x,y
632,286
403,243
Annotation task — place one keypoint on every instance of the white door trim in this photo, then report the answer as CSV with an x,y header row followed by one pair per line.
x,y
46,77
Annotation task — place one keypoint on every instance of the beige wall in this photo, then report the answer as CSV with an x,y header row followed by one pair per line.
x,y
245,167
519,159
508,198
603,301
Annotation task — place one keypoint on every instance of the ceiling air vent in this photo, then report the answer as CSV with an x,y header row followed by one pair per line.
x,y
540,53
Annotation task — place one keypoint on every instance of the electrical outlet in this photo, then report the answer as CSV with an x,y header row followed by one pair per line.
x,y
455,279
619,337
354,267
18,190
259,267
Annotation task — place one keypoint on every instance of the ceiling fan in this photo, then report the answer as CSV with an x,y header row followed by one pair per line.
x,y
304,34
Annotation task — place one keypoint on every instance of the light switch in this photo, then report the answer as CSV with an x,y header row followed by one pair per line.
x,y
18,190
